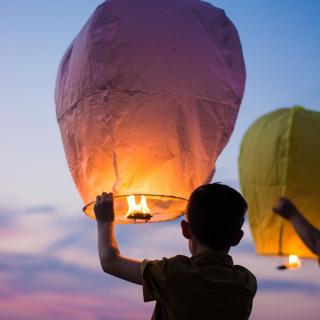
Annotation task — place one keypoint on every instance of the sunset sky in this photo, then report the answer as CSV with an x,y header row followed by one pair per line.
x,y
49,267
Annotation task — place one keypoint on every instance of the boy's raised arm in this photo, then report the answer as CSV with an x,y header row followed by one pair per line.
x,y
110,258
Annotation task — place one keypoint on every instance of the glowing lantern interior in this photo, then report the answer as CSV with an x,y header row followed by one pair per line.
x,y
293,262
141,208
138,210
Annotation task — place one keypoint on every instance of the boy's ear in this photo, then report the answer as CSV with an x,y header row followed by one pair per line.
x,y
237,238
185,226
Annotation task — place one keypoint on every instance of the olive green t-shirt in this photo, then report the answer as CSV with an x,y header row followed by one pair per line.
x,y
205,286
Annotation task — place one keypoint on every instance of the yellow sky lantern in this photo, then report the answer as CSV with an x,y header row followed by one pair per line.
x,y
280,156
147,96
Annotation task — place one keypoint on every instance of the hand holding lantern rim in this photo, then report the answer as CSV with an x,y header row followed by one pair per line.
x,y
103,207
111,259
308,233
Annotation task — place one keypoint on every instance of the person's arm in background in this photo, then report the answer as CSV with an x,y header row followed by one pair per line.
x,y
111,260
306,231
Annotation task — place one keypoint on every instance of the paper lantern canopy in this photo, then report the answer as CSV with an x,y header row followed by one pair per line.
x,y
280,156
147,96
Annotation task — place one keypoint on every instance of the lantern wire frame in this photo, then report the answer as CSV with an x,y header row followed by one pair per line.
x,y
162,208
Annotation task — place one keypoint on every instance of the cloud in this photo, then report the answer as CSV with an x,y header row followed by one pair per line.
x,y
42,209
50,305
5,216
34,272
31,231
43,287
277,285
49,266
286,305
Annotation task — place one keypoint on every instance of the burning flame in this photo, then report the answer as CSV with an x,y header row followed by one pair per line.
x,y
134,208
294,262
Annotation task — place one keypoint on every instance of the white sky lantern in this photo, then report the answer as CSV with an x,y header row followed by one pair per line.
x,y
147,96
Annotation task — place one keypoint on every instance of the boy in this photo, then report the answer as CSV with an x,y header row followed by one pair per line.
x,y
205,286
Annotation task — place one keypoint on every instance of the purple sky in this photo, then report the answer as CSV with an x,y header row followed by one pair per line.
x,y
48,258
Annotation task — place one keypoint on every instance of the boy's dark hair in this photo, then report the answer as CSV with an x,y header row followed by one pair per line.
x,y
216,213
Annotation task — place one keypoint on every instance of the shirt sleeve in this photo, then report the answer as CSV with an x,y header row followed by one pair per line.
x,y
154,278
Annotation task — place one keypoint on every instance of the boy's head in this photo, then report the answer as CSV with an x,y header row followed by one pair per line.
x,y
215,216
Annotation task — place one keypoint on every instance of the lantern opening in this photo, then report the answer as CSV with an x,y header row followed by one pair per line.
x,y
293,263
140,208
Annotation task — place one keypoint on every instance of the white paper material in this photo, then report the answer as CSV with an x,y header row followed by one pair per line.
x,y
147,96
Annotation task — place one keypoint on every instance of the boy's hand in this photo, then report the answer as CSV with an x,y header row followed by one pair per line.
x,y
103,208
285,208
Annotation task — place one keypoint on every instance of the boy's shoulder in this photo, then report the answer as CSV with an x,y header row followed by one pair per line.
x,y
208,261
245,270
164,265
